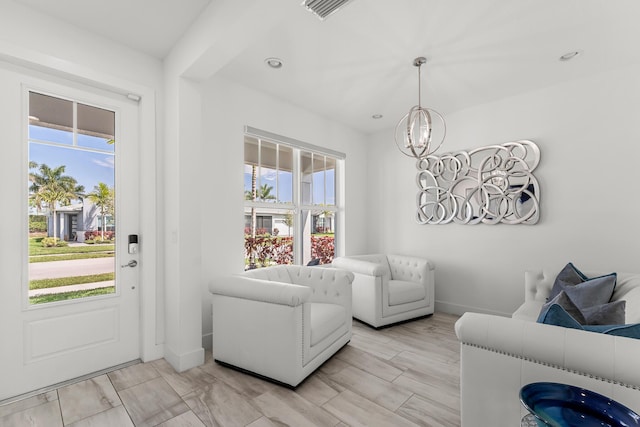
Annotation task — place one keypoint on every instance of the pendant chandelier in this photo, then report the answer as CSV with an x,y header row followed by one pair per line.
x,y
422,130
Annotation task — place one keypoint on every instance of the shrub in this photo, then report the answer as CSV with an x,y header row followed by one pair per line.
x,y
50,242
268,250
259,231
96,235
323,248
37,223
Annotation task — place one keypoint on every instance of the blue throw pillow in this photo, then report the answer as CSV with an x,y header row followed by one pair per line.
x,y
629,331
556,315
563,300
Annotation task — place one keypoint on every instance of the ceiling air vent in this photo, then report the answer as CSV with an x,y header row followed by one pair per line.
x,y
323,8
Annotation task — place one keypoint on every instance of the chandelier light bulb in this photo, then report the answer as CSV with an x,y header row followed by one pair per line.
x,y
415,131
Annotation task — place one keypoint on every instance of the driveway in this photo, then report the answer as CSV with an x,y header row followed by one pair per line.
x,y
76,267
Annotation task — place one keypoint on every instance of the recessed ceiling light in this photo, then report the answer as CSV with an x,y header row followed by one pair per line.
x,y
273,62
570,55
376,116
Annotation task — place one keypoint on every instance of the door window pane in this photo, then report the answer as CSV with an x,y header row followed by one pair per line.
x,y
71,199
50,119
95,128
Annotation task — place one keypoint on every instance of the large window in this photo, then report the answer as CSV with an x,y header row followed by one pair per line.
x,y
291,203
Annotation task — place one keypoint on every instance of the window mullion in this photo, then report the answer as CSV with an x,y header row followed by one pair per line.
x,y
297,213
75,124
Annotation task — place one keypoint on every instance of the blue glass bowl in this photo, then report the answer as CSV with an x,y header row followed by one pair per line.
x,y
562,405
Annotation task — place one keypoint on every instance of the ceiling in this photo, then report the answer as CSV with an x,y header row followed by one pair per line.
x,y
358,62
150,26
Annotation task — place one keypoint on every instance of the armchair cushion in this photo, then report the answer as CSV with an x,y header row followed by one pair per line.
x,y
401,292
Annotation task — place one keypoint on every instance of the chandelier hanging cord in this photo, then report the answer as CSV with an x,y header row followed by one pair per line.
x,y
418,63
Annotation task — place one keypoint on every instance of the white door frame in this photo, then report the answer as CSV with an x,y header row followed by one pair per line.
x,y
151,286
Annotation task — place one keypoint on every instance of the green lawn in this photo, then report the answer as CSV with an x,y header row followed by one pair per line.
x,y
67,257
36,248
41,299
67,281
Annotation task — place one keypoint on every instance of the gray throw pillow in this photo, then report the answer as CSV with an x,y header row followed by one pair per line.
x,y
583,291
612,313
591,292
563,300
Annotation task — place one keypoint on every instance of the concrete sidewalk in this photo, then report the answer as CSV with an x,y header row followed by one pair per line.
x,y
76,267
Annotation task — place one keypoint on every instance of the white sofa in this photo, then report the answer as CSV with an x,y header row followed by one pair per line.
x,y
499,355
281,322
389,289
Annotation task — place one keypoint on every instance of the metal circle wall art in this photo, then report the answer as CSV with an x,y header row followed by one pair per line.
x,y
490,185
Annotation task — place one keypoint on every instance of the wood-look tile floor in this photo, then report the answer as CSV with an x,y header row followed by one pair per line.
x,y
404,375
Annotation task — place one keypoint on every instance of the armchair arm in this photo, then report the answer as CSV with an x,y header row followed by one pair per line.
x,y
369,268
260,290
582,352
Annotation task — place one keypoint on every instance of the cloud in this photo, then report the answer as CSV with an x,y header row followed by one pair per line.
x,y
108,162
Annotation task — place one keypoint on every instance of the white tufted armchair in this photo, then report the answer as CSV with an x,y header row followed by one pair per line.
x,y
389,288
281,322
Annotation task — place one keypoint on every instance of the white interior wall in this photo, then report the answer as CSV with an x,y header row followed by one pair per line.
x,y
228,107
588,136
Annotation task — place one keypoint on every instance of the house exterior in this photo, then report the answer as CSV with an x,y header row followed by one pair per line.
x,y
73,220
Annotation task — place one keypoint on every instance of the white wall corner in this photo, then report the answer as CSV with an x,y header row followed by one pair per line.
x,y
207,341
184,361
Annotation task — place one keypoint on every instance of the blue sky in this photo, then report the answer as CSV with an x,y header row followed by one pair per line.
x,y
284,184
87,167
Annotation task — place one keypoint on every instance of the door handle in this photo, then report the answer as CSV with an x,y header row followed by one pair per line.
x,y
131,263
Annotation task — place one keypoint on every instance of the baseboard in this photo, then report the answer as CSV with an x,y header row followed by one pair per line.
x,y
184,361
457,309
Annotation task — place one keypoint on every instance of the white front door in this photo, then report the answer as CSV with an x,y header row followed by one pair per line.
x,y
70,163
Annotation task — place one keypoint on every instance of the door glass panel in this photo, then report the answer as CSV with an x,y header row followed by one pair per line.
x,y
71,199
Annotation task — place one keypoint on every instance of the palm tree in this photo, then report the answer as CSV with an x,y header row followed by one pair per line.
x,y
50,187
103,196
264,193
